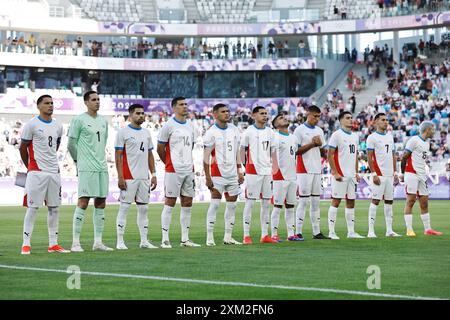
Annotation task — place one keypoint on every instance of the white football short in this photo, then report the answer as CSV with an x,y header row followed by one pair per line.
x,y
137,191
416,184
42,186
257,186
309,184
228,185
176,184
343,189
383,191
284,192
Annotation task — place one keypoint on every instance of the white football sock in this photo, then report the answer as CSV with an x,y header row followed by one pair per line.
x,y
264,216
166,216
408,221
388,216
28,225
426,220
77,224
332,214
185,222
275,220
350,218
142,221
211,218
248,216
230,214
372,216
121,220
52,223
300,213
290,221
314,214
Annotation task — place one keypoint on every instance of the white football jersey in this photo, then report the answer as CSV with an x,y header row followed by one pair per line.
x,y
224,145
346,145
420,150
136,143
310,161
42,149
285,147
258,143
179,138
383,148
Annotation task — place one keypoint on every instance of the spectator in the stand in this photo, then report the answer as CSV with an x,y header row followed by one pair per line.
x,y
335,12
343,10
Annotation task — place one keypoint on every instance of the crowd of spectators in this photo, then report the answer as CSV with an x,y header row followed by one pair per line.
x,y
155,50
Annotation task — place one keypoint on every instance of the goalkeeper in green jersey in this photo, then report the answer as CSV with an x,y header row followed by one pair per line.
x,y
88,134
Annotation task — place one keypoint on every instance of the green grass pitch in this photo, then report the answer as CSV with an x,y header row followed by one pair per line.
x,y
408,266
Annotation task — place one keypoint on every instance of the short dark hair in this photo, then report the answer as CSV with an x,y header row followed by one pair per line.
x,y
87,94
379,115
257,108
218,106
275,119
134,106
343,113
39,100
175,100
314,109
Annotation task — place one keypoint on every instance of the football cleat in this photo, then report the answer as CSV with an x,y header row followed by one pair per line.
x,y
166,245
299,235
392,234
333,236
147,245
320,236
295,238
277,238
371,235
231,241
25,250
354,235
410,233
267,239
121,246
101,247
247,240
57,248
76,248
431,232
210,243
189,243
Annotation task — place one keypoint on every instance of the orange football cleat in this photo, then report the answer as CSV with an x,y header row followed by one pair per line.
x,y
267,239
57,248
26,250
431,232
247,240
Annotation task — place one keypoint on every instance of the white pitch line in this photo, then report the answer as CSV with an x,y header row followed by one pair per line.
x,y
226,283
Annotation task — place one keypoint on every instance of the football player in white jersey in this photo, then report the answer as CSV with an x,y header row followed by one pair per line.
x,y
283,174
134,159
343,159
311,142
40,141
223,171
175,143
256,148
382,163
413,167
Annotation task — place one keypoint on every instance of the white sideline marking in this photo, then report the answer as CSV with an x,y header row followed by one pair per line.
x,y
226,283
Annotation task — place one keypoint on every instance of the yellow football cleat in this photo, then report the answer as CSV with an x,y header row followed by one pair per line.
x,y
410,233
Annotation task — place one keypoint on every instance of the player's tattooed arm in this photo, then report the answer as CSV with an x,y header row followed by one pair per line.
x,y
58,143
119,166
331,155
206,156
405,158
151,165
316,142
161,150
72,147
23,149
376,179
